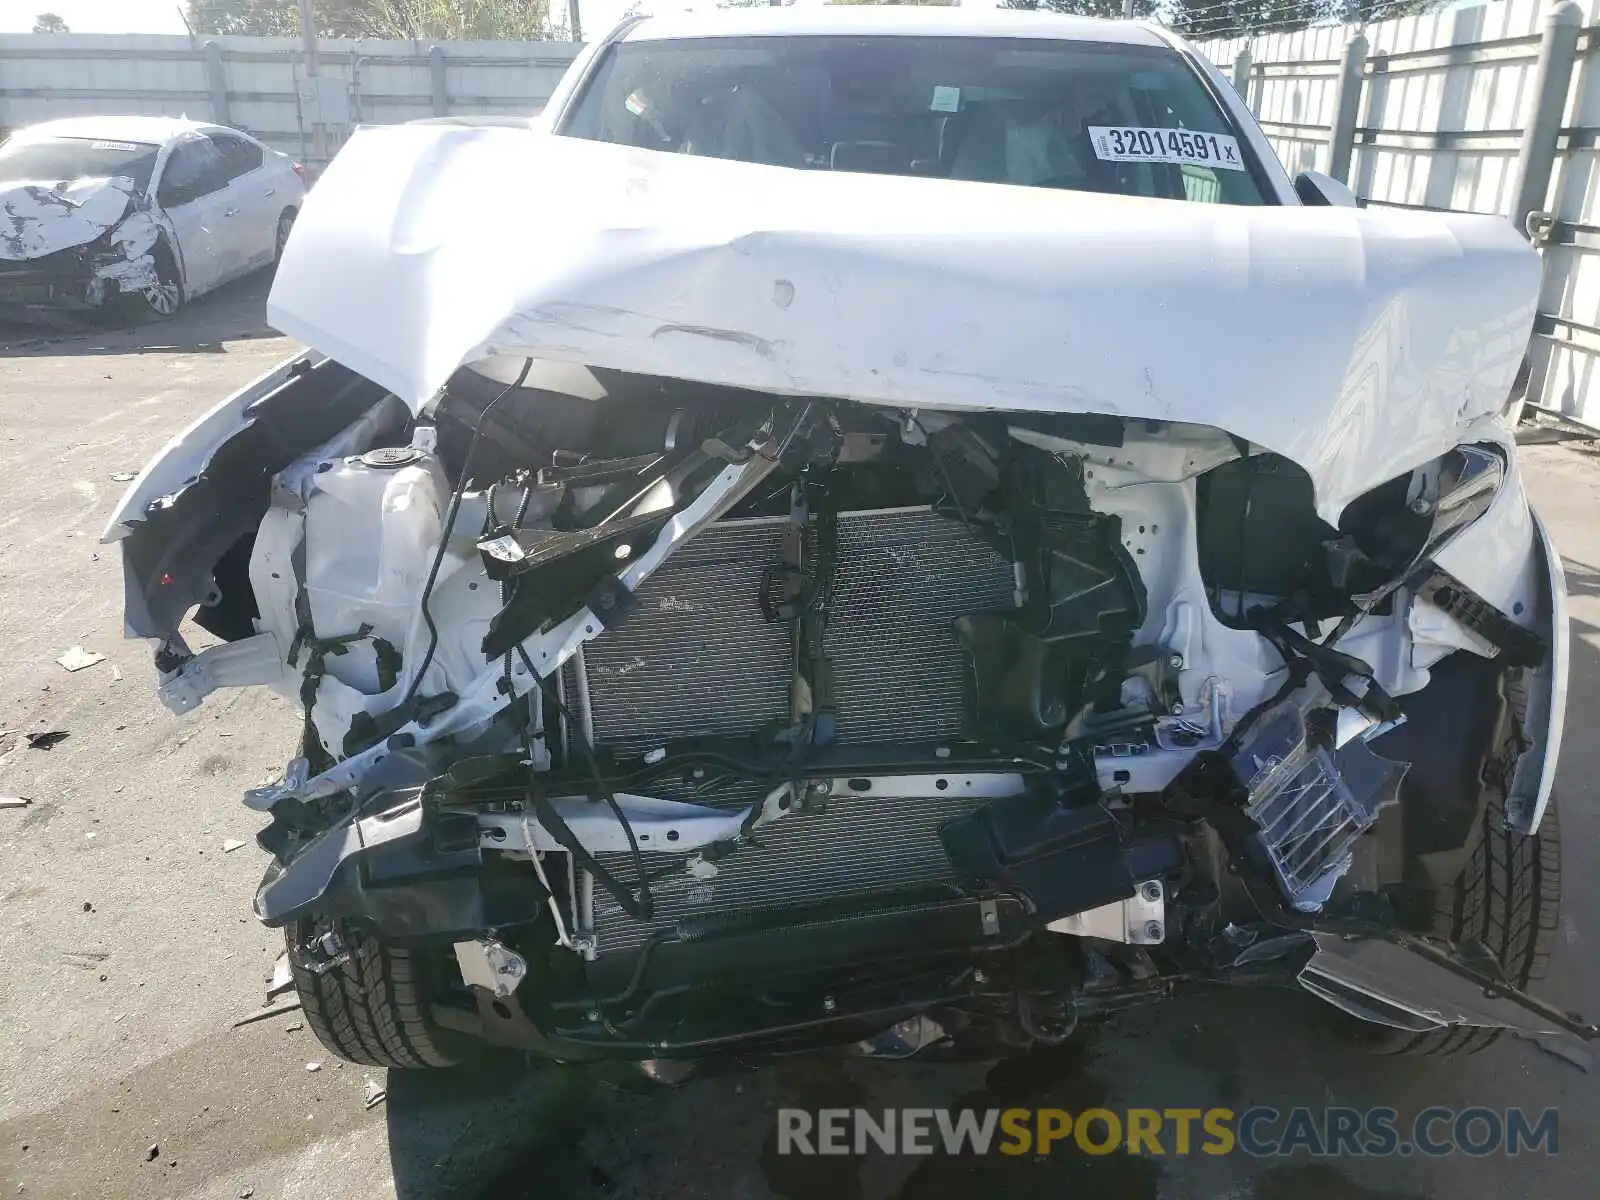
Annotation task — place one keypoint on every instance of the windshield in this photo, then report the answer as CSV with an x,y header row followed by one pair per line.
x,y
61,160
1089,116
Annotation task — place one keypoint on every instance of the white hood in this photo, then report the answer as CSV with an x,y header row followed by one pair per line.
x,y
1355,343
40,218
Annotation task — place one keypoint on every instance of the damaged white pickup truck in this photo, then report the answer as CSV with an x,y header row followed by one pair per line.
x,y
877,527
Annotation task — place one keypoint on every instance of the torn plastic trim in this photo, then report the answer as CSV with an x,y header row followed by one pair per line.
x,y
1402,981
547,651
207,492
186,455
1545,690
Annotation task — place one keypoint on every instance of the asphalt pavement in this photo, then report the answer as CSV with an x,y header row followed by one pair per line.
x,y
127,952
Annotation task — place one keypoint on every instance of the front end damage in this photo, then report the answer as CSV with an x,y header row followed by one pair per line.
x,y
674,714
760,724
77,248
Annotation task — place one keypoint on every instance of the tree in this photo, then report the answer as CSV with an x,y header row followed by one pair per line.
x,y
417,20
1235,18
1085,8
1201,19
251,18
49,23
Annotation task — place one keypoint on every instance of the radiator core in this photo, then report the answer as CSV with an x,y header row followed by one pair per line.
x,y
698,657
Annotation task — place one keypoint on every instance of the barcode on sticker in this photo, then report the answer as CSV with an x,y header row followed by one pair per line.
x,y
1184,147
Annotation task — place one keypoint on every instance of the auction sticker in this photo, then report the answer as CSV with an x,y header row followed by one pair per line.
x,y
1185,147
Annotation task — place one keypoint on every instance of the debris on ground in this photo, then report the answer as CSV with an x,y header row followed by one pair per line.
x,y
88,906
116,673
246,1192
298,1025
77,658
124,476
47,740
267,1015
232,844
14,802
372,1095
153,1153
313,1066
281,980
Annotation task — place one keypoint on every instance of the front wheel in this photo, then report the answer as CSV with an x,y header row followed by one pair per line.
x,y
372,1008
1508,898
281,238
164,297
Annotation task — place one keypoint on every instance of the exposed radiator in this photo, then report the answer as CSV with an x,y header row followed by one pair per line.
x,y
860,844
698,656
904,576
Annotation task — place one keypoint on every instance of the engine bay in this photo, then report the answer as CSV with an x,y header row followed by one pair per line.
x,y
636,691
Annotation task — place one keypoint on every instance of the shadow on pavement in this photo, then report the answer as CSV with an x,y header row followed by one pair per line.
x,y
232,312
503,1129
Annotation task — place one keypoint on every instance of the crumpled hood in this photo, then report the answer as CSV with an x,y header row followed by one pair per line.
x,y
41,218
1356,343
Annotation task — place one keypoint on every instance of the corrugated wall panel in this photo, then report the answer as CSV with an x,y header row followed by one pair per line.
x,y
48,76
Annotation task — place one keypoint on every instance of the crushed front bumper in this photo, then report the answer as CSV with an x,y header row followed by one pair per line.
x,y
62,281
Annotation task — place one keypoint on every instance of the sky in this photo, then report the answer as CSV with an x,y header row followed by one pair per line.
x,y
162,16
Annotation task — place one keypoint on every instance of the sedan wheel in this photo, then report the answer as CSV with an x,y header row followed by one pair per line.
x,y
164,298
285,224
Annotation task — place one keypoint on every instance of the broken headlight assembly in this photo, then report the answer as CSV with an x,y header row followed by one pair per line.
x,y
1403,523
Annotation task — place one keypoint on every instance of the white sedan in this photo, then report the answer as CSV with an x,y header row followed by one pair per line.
x,y
144,212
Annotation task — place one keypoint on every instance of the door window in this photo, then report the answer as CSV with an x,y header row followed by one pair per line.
x,y
195,168
241,156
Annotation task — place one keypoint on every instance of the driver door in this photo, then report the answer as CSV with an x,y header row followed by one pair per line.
x,y
192,192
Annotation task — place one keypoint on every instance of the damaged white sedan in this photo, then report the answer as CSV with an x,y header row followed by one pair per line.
x,y
142,213
884,527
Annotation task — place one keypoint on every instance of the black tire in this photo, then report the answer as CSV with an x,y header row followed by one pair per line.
x,y
281,237
1508,897
372,1009
165,299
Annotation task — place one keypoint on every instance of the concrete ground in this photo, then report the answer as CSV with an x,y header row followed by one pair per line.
x,y
127,951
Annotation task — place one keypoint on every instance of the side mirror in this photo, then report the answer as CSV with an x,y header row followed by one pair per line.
x,y
1317,190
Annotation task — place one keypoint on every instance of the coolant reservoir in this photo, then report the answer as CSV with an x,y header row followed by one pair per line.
x,y
373,523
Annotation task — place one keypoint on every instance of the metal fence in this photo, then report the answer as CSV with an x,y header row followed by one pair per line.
x,y
1489,109
262,85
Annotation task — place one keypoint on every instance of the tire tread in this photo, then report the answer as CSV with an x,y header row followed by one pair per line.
x,y
372,1008
1508,896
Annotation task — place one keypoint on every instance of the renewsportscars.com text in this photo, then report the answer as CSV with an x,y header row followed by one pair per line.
x,y
1259,1131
